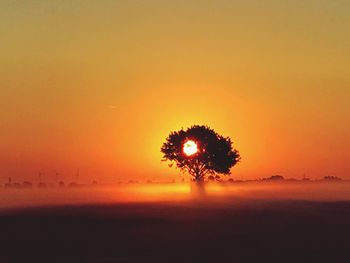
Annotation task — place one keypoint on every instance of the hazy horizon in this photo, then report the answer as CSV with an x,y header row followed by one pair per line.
x,y
211,194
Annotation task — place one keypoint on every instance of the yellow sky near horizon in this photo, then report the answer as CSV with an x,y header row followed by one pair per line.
x,y
98,85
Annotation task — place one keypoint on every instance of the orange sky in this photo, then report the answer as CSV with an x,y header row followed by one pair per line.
x,y
98,85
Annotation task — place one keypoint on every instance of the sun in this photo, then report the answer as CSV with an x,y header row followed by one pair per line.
x,y
190,147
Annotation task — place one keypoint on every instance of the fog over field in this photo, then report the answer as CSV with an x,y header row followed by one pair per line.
x,y
174,193
243,222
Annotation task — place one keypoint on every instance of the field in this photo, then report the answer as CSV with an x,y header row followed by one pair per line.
x,y
249,226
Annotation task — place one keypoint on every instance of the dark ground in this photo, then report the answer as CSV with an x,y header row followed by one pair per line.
x,y
246,231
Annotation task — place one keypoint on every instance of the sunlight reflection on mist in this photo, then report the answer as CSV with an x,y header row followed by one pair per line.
x,y
176,193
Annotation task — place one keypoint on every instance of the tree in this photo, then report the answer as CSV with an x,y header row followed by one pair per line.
x,y
200,151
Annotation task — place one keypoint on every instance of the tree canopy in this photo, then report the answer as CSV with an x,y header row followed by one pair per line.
x,y
200,151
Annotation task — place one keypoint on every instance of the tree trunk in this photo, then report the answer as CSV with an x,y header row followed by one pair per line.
x,y
199,177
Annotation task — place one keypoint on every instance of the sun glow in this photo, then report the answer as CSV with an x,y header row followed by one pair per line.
x,y
190,148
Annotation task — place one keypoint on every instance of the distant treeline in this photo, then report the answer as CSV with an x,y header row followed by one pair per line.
x,y
61,184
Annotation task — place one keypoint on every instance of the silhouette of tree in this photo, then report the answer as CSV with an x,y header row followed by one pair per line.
x,y
275,178
209,154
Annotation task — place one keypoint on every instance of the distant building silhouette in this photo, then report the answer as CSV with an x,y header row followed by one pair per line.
x,y
11,184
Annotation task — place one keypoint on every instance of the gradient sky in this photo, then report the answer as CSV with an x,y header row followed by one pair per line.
x,y
98,85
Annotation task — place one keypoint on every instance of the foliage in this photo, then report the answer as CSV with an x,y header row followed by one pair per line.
x,y
215,153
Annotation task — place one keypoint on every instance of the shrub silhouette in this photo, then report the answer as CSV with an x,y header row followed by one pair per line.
x,y
214,153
